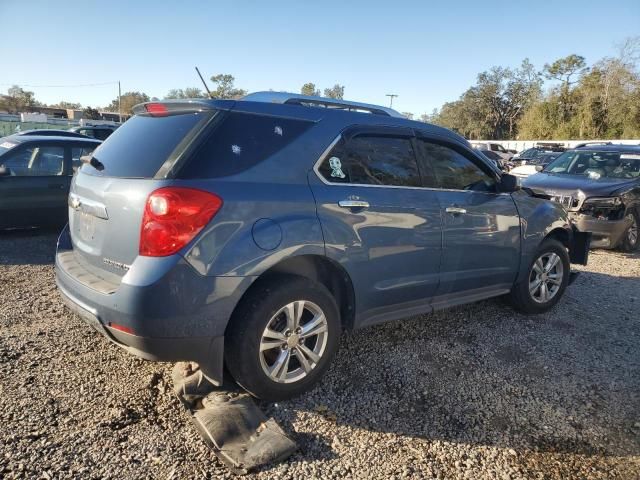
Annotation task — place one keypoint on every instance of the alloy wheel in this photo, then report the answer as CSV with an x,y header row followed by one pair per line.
x,y
546,277
293,341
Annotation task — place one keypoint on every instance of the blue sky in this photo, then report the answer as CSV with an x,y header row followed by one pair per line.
x,y
427,53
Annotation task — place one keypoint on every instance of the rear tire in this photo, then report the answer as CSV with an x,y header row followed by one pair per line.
x,y
282,337
546,280
630,241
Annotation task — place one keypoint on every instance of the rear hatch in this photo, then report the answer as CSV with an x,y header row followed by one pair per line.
x,y
109,192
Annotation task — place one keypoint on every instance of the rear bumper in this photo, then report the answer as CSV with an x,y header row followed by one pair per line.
x,y
208,351
179,316
605,233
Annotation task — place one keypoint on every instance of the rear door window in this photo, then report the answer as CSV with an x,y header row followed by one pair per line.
x,y
239,142
139,147
372,160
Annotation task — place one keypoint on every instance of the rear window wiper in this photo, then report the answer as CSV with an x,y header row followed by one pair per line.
x,y
93,161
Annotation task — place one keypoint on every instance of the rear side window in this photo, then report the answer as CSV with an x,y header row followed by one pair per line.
x,y
139,147
372,160
240,142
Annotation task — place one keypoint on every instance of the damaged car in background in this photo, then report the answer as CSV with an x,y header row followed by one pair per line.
x,y
600,187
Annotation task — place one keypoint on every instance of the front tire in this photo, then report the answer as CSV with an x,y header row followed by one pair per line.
x,y
546,280
282,337
630,238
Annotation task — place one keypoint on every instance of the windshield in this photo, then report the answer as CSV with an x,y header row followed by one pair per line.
x,y
544,158
532,153
596,164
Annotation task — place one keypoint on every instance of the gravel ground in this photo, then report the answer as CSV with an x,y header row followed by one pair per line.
x,y
475,392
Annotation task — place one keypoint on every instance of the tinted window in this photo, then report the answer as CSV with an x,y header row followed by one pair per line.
x,y
36,161
239,142
453,170
139,147
372,160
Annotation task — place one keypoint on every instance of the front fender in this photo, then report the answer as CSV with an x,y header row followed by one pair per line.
x,y
538,219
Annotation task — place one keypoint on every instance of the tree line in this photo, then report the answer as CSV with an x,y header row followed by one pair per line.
x,y
598,101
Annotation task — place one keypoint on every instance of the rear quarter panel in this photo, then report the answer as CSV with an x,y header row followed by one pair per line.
x,y
253,232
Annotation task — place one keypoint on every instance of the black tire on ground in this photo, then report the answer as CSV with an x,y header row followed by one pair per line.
x,y
244,333
522,299
628,244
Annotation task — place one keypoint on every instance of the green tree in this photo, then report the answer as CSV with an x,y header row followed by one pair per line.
x,y
225,87
337,92
17,100
565,68
67,105
310,89
91,114
493,106
128,101
189,92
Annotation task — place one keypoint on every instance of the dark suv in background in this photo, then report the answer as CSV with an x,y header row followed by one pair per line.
x,y
251,233
600,186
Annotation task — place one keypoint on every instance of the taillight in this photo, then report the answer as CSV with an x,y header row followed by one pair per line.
x,y
173,216
156,109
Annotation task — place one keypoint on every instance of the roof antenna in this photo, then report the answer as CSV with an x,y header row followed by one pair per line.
x,y
204,83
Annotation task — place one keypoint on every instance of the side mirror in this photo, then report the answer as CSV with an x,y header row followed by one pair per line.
x,y
508,183
5,171
539,168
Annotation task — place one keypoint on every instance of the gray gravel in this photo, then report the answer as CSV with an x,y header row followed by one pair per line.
x,y
475,392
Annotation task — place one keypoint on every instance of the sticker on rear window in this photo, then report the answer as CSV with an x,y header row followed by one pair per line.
x,y
7,145
336,168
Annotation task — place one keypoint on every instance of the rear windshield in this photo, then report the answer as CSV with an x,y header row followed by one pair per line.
x,y
139,147
239,142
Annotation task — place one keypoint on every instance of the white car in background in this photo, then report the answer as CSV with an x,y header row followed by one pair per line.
x,y
493,147
534,165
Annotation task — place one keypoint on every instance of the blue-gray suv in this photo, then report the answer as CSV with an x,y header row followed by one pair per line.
x,y
250,233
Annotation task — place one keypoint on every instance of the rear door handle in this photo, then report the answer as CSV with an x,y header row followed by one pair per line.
x,y
456,210
58,186
353,204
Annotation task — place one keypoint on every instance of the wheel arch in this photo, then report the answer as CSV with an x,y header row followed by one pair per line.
x,y
560,234
317,268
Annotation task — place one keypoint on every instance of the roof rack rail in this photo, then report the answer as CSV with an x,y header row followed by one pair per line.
x,y
584,144
306,100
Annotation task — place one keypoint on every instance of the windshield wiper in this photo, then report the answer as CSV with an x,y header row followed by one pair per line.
x,y
93,161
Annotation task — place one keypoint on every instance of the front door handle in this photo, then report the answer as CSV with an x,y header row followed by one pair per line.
x,y
56,186
353,204
456,210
